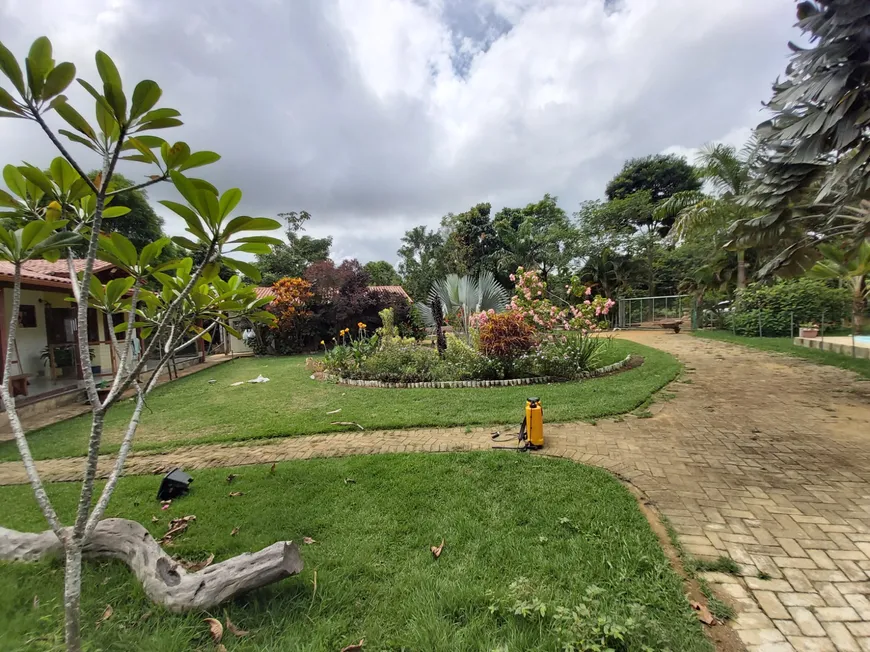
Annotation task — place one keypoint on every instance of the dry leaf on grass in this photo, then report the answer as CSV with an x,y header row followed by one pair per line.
x,y
704,614
235,630
349,481
215,629
234,532
194,566
107,613
221,648
154,519
145,616
36,602
231,477
177,526
354,647
272,468
308,540
236,494
347,423
334,411
436,550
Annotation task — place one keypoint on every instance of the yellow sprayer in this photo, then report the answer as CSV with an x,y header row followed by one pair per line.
x,y
531,434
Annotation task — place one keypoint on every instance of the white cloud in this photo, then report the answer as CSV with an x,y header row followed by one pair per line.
x,y
379,115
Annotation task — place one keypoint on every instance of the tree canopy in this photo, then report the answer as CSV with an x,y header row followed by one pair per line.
x,y
382,273
293,258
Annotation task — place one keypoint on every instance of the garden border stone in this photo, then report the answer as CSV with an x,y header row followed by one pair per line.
x,y
451,384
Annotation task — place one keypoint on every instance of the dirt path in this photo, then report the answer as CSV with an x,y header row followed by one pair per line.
x,y
763,458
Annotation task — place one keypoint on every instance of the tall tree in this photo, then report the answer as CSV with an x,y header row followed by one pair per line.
x,y
382,273
814,176
471,240
710,216
539,236
297,255
421,264
661,175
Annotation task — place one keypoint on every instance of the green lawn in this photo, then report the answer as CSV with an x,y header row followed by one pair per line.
x,y
785,345
562,526
193,411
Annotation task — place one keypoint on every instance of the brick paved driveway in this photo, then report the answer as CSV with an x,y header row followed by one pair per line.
x,y
762,458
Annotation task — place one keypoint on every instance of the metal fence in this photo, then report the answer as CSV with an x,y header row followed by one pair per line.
x,y
651,312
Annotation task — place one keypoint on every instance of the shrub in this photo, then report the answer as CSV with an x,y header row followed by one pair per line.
x,y
462,362
399,364
506,336
807,299
568,355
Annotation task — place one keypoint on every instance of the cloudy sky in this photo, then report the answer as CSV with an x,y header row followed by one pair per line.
x,y
378,115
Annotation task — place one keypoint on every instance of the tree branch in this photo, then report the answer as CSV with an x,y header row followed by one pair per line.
x,y
12,413
139,186
61,148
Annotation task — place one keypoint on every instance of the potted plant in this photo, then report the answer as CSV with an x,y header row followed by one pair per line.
x,y
63,359
809,329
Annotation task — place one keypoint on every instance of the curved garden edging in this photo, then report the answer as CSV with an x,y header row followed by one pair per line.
x,y
451,384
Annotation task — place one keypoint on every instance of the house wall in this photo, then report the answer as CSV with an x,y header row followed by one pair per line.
x,y
237,345
31,341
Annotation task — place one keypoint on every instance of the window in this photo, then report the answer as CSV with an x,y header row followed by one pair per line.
x,y
27,316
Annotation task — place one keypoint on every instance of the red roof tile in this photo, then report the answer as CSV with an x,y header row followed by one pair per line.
x,y
42,273
390,289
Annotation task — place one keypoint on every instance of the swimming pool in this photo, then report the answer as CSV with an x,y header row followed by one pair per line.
x,y
862,338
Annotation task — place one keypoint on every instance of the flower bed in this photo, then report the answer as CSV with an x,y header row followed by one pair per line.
x,y
509,382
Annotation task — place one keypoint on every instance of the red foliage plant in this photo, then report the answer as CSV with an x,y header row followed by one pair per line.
x,y
506,335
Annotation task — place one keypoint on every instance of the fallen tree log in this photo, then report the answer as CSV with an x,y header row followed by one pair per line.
x,y
164,580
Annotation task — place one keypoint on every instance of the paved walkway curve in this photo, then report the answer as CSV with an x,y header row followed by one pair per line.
x,y
763,458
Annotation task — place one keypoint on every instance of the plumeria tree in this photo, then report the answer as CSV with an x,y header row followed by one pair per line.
x,y
171,304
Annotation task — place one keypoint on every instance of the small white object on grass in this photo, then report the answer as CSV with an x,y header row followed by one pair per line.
x,y
259,379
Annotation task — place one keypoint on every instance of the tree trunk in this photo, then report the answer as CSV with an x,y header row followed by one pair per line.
x,y
72,593
857,307
741,269
164,580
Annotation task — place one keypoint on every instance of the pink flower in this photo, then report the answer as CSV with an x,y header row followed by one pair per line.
x,y
512,277
588,291
587,302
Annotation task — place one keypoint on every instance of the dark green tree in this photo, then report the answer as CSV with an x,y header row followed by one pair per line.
x,y
422,261
297,255
382,273
141,225
661,176
471,240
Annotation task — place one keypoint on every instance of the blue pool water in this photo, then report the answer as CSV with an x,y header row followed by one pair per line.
x,y
862,338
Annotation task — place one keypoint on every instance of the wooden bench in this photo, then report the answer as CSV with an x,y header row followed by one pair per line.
x,y
672,324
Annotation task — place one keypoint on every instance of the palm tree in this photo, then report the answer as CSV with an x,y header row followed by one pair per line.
x,y
461,297
851,267
698,214
608,269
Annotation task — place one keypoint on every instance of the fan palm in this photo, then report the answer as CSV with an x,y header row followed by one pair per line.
x,y
462,296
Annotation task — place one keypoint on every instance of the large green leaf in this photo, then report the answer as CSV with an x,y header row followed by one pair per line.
x,y
198,159
15,181
33,233
161,123
96,95
146,152
8,102
187,243
151,251
229,200
187,190
145,95
175,155
75,119
159,114
112,87
78,139
63,174
212,209
254,248
106,120
38,63
261,224
58,80
117,288
264,239
126,251
37,177
246,268
115,211
191,218
7,200
11,69
97,291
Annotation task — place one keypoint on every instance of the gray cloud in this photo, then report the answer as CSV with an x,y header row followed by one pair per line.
x,y
376,116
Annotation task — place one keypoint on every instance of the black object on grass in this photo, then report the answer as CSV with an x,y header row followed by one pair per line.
x,y
176,483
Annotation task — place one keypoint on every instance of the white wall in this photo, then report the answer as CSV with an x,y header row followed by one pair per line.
x,y
237,345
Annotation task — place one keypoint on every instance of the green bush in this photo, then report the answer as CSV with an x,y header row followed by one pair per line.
x,y
399,364
807,299
568,355
462,362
